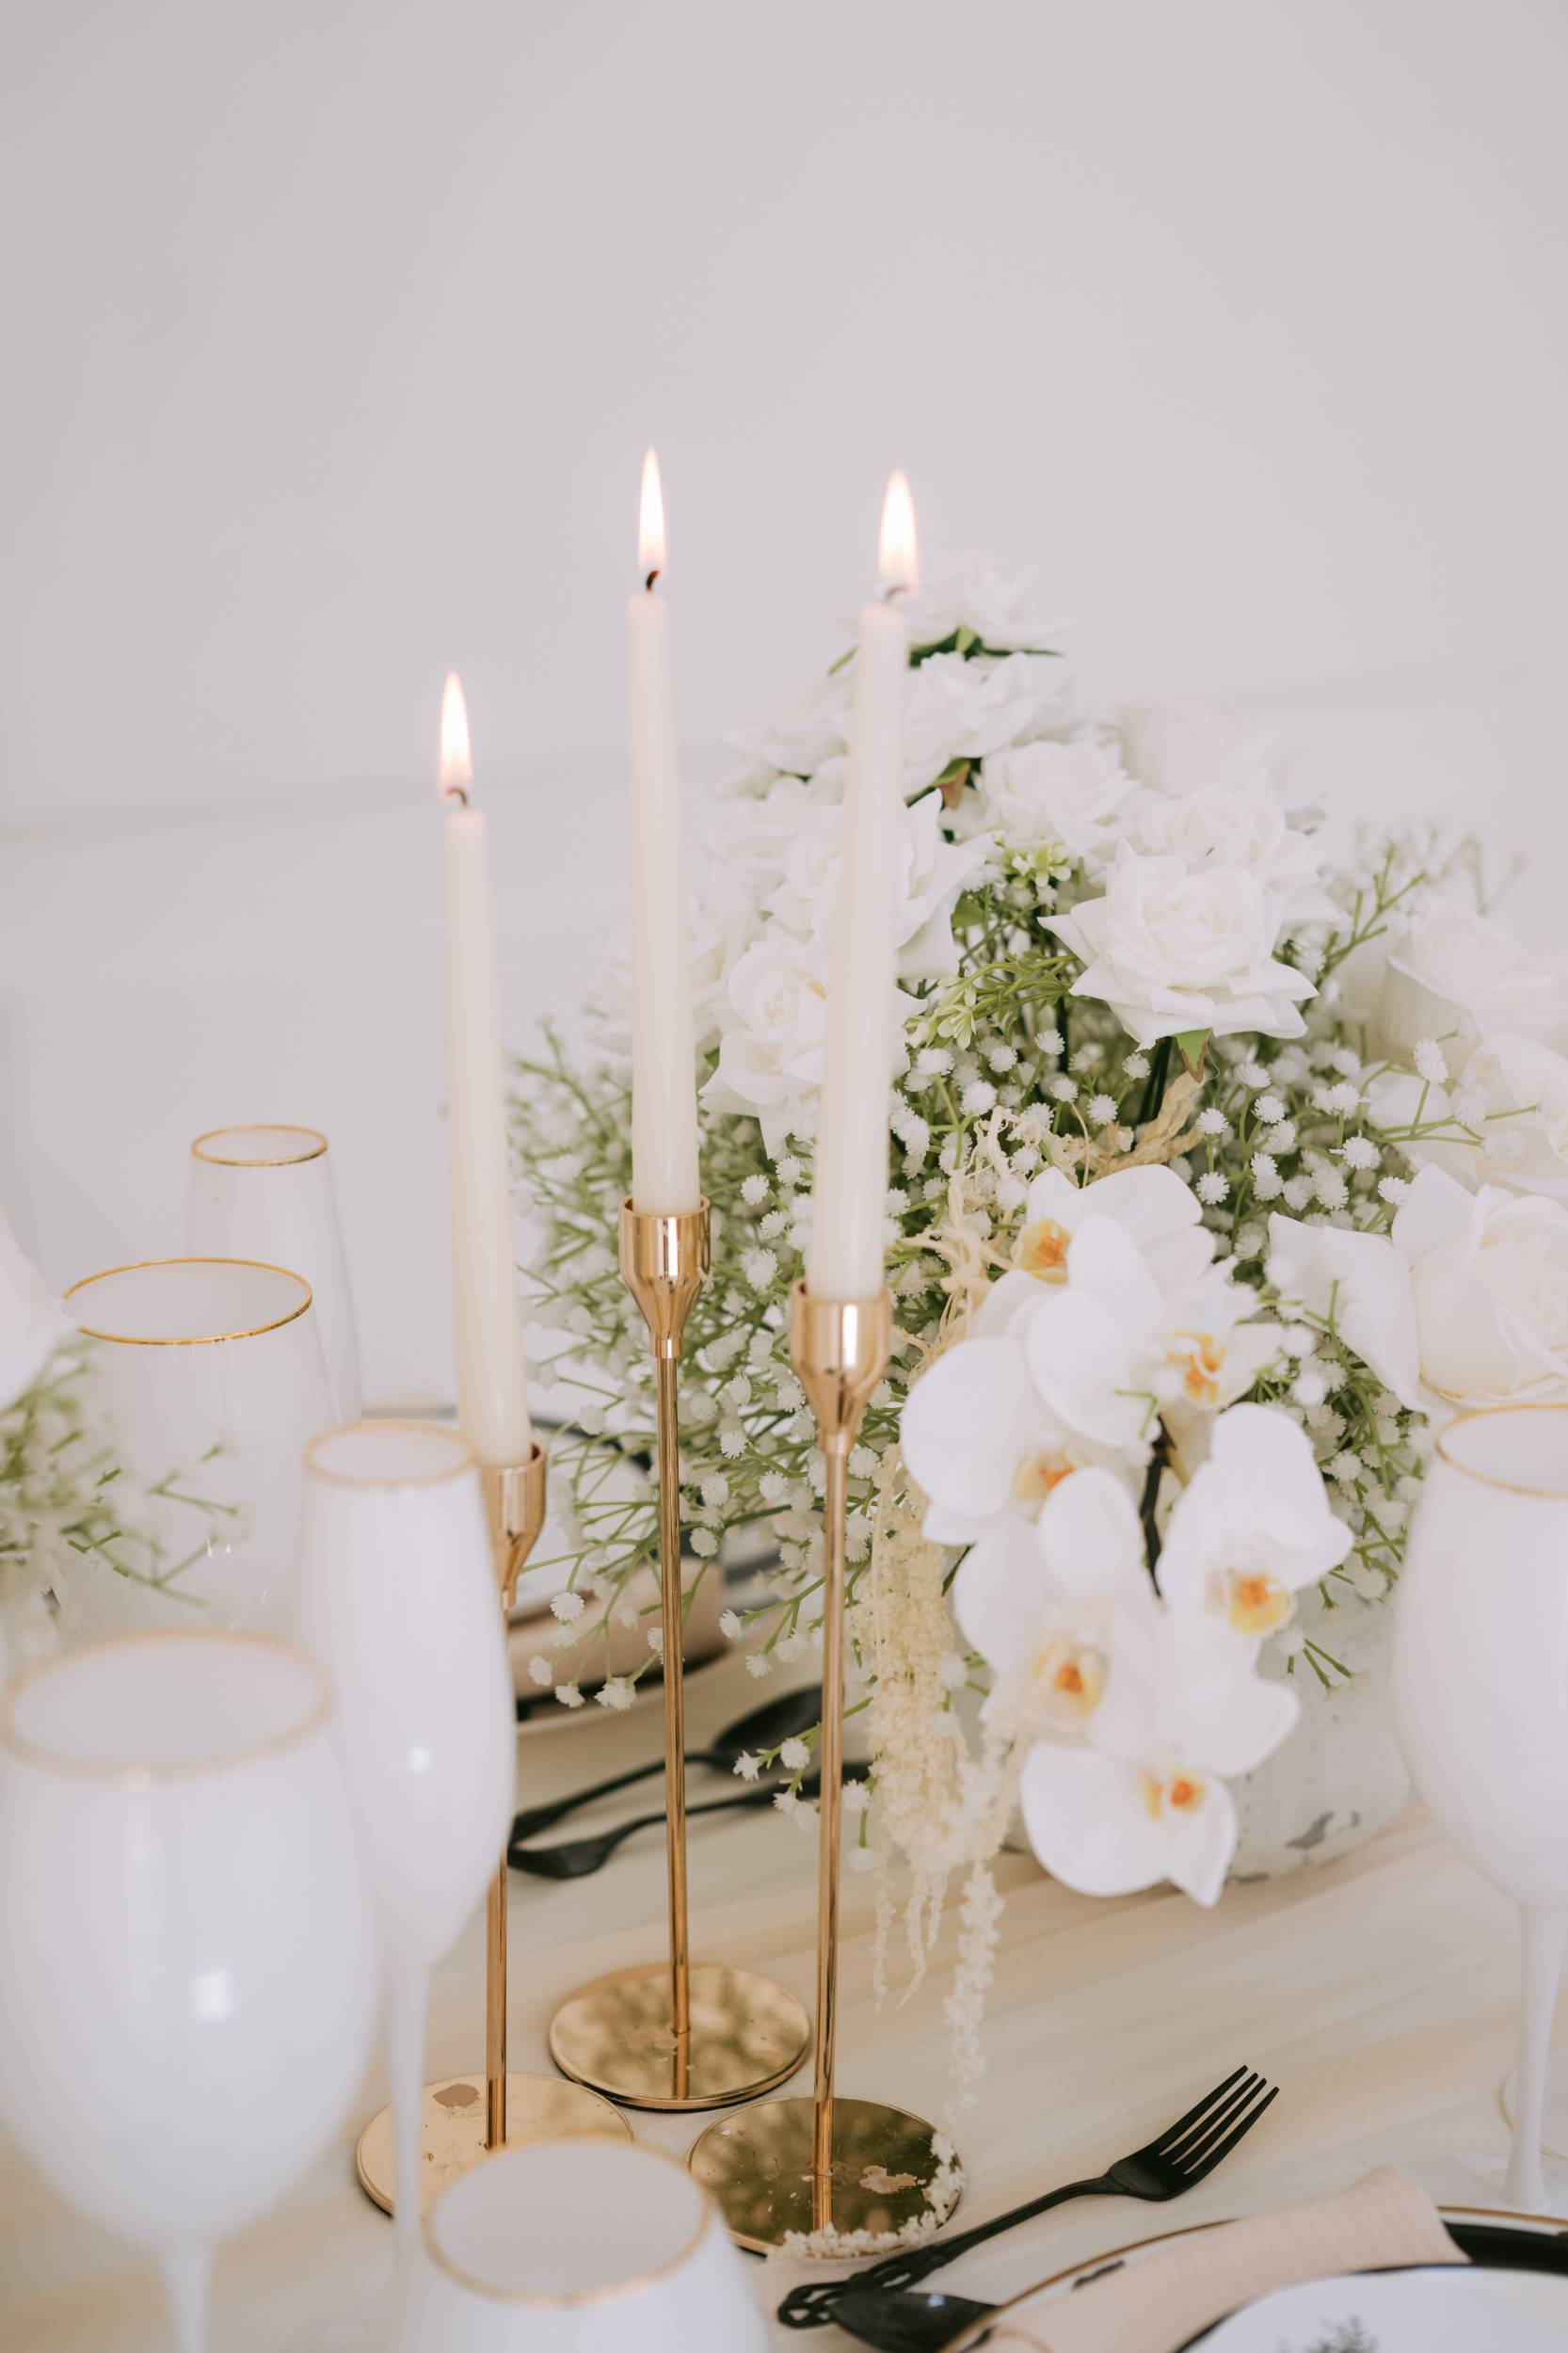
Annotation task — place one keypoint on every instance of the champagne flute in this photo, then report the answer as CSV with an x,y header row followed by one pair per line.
x,y
188,1969
1480,1698
265,1190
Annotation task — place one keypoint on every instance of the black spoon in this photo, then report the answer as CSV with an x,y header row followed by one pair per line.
x,y
788,1717
576,1857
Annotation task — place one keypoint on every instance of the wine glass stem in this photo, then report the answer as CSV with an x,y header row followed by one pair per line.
x,y
187,2279
1544,1937
406,2014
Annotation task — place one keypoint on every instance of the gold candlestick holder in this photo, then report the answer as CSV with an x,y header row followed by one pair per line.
x,y
675,2034
466,2117
802,2165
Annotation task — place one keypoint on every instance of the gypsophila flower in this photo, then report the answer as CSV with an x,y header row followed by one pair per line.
x,y
1430,1062
794,1756
1135,1066
1270,1107
1253,1074
748,1767
730,1626
1002,1058
1063,1090
569,1695
1212,1188
754,1188
1360,1152
978,1096
756,1664
539,1670
1103,1108
1331,1187
1267,1180
567,1606
1281,1137
1213,1122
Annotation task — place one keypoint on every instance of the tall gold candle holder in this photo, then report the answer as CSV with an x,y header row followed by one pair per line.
x,y
468,2115
675,2034
804,2166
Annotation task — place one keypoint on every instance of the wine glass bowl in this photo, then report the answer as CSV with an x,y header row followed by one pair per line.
x,y
1481,1693
188,1968
209,1376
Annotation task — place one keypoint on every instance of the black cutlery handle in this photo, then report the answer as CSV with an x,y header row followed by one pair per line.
x,y
812,2305
538,1818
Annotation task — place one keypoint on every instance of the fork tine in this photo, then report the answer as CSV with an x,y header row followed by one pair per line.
x,y
1219,2115
1173,2132
1204,2163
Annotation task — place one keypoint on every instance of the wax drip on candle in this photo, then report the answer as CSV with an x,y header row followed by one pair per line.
x,y
455,773
651,522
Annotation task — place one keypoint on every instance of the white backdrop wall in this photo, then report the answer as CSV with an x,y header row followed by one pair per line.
x,y
333,335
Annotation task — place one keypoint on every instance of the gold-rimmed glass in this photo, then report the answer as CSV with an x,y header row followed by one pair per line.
x,y
188,1966
209,1373
1480,1702
265,1190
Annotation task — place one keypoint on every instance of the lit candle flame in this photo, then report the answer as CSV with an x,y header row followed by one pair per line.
x,y
456,765
897,560
650,521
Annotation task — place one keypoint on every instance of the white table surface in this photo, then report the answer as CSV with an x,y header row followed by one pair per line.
x,y
1378,1992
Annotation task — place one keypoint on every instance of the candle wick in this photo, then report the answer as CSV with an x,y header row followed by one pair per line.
x,y
895,588
652,578
454,792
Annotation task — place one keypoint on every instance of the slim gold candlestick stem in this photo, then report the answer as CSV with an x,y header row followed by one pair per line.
x,y
674,2035
469,2115
802,2165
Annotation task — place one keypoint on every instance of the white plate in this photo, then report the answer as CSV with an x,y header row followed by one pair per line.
x,y
1449,2309
1538,2293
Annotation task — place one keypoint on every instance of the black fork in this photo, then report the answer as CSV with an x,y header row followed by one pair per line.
x,y
1182,2156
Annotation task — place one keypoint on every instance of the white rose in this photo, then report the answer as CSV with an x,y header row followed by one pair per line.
x,y
1071,794
31,1323
752,837
1454,977
930,871
1170,951
1489,1278
1240,824
962,709
1171,746
999,602
793,737
774,1030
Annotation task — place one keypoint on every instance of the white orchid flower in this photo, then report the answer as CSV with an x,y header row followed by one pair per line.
x,y
1152,1206
1112,1350
1252,1527
1041,1604
981,1443
1146,1799
1362,1283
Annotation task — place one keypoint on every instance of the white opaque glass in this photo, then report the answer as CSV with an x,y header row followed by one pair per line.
x,y
1480,1692
211,1373
584,2247
265,1191
188,1965
397,1591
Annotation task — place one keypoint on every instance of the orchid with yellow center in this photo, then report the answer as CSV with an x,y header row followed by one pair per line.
x,y
1252,1527
1142,1797
981,1442
1041,1604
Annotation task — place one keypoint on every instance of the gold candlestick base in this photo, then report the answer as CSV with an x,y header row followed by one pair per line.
x,y
453,2129
759,2169
746,2035
825,2164
466,2117
677,2034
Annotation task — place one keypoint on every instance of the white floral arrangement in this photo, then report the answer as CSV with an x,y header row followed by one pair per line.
x,y
1211,1163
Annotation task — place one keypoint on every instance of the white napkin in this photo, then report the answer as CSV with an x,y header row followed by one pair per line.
x,y
1158,2304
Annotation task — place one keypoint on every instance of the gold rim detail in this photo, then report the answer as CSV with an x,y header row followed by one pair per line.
x,y
1488,1478
260,1128
174,1768
466,1459
190,1339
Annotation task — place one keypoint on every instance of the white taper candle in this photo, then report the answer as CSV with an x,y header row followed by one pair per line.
x,y
492,1381
846,1248
663,1054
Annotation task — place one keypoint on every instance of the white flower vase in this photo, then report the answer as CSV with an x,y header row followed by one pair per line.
x,y
1340,1777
